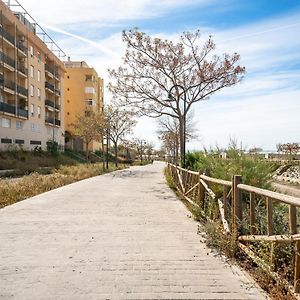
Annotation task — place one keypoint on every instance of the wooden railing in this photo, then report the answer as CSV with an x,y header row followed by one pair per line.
x,y
235,205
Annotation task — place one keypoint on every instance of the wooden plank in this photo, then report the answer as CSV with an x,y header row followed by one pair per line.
x,y
297,268
274,195
225,199
237,203
215,180
201,193
252,213
180,180
293,219
269,206
191,189
209,191
223,219
280,238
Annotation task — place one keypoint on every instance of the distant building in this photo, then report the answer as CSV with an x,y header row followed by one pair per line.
x,y
31,84
83,93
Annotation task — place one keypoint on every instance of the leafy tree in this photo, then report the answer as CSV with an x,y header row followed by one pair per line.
x,y
153,66
120,123
89,127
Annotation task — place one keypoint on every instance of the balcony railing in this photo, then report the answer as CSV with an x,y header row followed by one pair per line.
x,y
22,69
49,69
23,91
7,108
22,112
57,91
49,120
10,84
49,103
11,109
49,86
22,47
7,35
7,59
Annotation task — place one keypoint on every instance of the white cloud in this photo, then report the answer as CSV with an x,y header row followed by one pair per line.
x,y
102,11
260,111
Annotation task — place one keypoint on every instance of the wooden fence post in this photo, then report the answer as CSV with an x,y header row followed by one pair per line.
x,y
237,204
201,192
297,267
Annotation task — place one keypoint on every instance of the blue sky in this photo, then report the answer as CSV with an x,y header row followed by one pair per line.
x,y
261,111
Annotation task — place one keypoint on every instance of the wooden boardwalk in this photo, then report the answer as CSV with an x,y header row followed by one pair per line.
x,y
123,235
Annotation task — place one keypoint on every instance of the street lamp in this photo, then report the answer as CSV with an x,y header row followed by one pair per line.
x,y
170,97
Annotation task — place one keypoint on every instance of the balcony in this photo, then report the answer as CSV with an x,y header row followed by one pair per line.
x,y
21,47
49,121
4,107
49,86
22,69
22,112
11,85
22,91
57,122
49,69
49,103
57,91
7,59
9,37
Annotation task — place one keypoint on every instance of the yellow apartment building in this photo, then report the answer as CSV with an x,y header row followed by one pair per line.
x,y
83,91
31,83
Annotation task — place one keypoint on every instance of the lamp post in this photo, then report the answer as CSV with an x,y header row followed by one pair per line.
x,y
170,97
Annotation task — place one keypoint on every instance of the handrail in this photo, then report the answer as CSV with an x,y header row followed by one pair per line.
x,y
194,187
273,195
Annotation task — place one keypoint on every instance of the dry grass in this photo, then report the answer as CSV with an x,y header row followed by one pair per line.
x,y
12,191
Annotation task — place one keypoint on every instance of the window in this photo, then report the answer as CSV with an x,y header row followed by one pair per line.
x,y
39,75
68,113
39,111
31,71
5,123
68,89
31,51
68,77
90,102
6,141
31,90
88,77
35,143
19,142
19,124
89,90
32,110
39,93
39,56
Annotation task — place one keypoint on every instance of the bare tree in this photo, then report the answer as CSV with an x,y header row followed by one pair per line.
x,y
140,146
168,131
120,123
153,66
289,148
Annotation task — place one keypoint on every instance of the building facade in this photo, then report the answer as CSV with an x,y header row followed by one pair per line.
x,y
31,86
83,93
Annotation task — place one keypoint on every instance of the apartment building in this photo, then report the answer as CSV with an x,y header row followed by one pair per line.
x,y
83,91
31,85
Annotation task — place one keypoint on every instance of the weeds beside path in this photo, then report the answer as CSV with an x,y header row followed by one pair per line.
x,y
34,184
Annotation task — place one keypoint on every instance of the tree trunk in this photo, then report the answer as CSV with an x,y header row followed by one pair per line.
x,y
181,140
116,154
87,151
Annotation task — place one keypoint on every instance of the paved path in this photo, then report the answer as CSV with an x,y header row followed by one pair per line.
x,y
123,235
